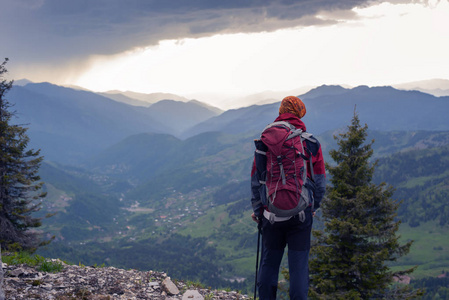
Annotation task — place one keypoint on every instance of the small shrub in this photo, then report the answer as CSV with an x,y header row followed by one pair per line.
x,y
209,296
36,283
82,293
51,266
195,284
23,258
26,258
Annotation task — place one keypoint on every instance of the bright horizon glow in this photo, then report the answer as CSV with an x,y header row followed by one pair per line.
x,y
387,44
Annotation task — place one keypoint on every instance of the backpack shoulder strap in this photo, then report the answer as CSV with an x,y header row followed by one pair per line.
x,y
280,123
295,133
308,136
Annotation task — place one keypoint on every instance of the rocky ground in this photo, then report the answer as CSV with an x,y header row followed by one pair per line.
x,y
97,283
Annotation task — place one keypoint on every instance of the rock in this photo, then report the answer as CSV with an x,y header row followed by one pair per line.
x,y
170,287
76,282
16,272
192,295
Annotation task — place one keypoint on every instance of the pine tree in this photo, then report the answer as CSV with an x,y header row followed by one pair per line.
x,y
20,186
350,257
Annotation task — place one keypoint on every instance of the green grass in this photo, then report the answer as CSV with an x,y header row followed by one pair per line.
x,y
51,266
206,225
22,257
422,180
42,263
430,250
245,264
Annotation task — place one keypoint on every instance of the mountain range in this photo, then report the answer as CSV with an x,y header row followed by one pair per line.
x,y
140,99
73,125
332,107
129,182
436,87
70,125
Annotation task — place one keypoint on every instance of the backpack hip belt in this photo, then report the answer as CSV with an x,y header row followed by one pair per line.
x,y
272,218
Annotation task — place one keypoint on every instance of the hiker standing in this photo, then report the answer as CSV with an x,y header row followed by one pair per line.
x,y
287,183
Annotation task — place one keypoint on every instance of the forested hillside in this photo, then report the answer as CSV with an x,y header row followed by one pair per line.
x,y
421,179
151,192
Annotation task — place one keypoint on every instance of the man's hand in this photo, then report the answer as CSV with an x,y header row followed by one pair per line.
x,y
253,216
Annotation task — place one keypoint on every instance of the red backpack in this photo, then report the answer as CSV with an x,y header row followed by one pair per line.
x,y
281,148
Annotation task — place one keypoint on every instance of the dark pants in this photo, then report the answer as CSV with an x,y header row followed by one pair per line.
x,y
275,237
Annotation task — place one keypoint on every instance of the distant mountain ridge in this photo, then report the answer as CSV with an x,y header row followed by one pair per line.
x,y
67,123
70,125
142,97
177,116
324,90
265,97
119,97
22,82
331,107
436,87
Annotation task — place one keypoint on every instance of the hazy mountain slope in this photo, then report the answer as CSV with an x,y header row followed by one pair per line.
x,y
430,84
71,125
177,116
138,157
265,97
214,109
22,82
436,87
119,97
331,107
155,162
234,121
152,97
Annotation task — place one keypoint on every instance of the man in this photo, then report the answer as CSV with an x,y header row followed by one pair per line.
x,y
279,229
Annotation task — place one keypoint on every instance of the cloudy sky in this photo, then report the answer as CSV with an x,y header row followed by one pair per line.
x,y
232,47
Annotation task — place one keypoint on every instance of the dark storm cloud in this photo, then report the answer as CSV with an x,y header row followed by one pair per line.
x,y
57,30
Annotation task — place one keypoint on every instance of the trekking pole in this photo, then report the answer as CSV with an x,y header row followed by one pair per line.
x,y
257,258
